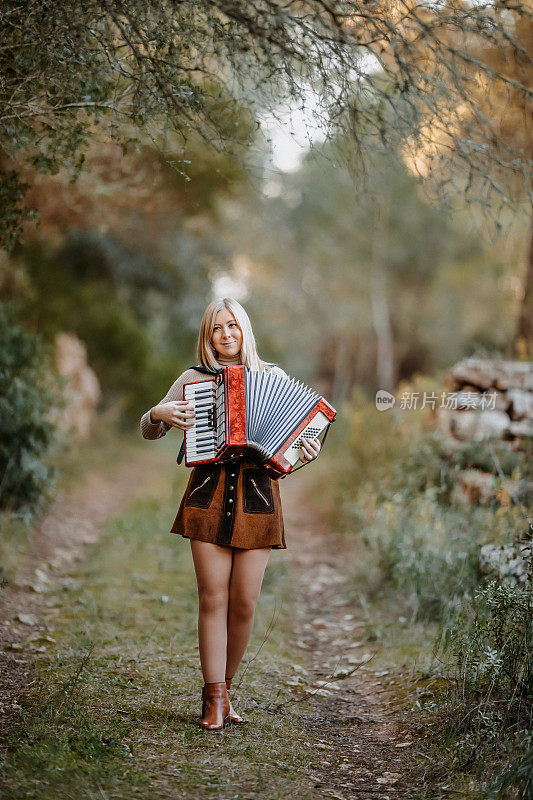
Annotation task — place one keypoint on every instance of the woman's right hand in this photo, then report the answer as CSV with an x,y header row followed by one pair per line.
x,y
177,413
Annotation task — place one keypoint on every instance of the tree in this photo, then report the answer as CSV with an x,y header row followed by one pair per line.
x,y
365,284
173,67
504,108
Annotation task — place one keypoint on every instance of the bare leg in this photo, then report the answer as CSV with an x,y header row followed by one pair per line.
x,y
212,565
245,586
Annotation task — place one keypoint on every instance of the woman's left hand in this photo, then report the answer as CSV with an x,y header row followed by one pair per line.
x,y
310,449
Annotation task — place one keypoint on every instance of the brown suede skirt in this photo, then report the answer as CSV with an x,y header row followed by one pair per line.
x,y
234,504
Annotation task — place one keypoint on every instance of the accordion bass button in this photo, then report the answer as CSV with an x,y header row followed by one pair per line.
x,y
230,500
228,513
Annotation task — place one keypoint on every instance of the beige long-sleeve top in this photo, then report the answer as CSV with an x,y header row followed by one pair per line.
x,y
155,430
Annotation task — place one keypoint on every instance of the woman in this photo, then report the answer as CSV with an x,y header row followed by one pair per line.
x,y
230,512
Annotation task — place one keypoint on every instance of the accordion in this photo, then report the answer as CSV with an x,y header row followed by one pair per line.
x,y
242,411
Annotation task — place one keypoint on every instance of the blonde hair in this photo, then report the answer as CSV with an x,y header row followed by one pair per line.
x,y
207,354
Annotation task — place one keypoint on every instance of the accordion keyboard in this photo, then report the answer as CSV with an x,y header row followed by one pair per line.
x,y
201,440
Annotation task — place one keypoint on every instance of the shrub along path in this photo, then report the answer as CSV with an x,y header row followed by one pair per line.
x,y
102,698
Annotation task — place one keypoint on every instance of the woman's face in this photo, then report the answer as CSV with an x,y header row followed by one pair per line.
x,y
227,336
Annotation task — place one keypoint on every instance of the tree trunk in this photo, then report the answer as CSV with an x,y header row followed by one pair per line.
x,y
380,303
523,341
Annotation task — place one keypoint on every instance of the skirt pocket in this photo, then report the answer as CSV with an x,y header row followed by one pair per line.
x,y
202,486
257,492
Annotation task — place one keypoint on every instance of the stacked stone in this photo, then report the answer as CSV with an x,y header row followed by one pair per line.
x,y
494,402
504,408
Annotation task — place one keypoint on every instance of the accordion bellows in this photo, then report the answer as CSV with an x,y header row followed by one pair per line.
x,y
242,410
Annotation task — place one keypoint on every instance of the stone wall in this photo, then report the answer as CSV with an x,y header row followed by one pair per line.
x,y
82,390
495,400
494,403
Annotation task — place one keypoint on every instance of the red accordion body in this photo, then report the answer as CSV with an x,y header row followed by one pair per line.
x,y
242,411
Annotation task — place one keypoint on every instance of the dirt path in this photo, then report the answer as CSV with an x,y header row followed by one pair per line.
x,y
353,716
74,520
363,753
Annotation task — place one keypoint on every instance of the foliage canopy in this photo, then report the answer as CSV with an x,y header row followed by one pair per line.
x,y
394,69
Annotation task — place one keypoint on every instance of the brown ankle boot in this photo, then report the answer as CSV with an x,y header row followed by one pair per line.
x,y
232,715
215,706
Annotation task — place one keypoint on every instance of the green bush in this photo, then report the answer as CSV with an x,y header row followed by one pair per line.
x,y
394,491
124,309
517,771
492,641
484,717
426,553
27,396
493,456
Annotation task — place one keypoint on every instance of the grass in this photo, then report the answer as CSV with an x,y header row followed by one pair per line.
x,y
113,707
106,448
